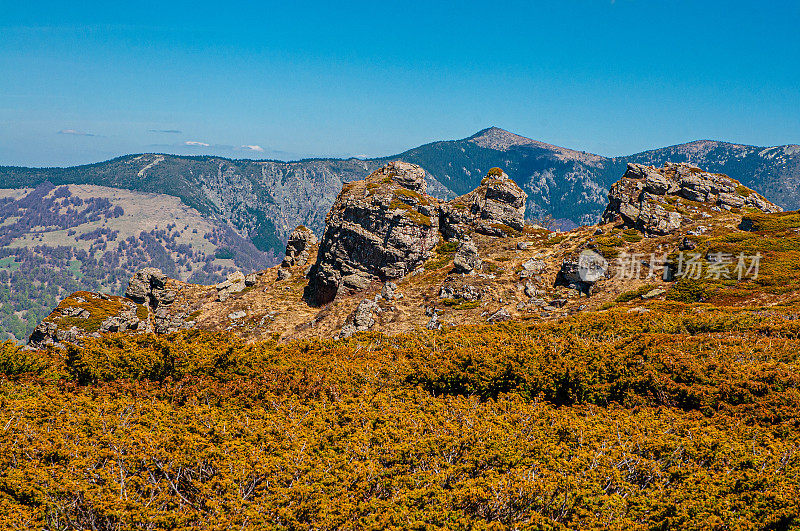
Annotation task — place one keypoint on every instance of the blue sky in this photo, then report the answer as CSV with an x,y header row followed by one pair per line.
x,y
86,81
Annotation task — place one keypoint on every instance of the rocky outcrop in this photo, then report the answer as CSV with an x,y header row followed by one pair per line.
x,y
467,259
84,314
299,247
495,208
235,283
379,229
659,201
149,286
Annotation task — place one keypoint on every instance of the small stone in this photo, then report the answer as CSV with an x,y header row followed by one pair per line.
x,y
533,265
283,273
499,316
467,259
236,315
387,292
653,293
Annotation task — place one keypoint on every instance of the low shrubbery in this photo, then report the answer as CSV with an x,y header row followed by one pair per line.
x,y
683,417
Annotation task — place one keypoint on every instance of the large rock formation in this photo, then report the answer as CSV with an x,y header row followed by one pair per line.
x,y
378,229
495,208
149,285
299,247
659,201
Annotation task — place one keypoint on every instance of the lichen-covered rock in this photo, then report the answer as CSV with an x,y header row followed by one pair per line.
x,y
84,314
149,286
299,247
233,284
379,229
362,318
651,199
467,292
495,208
467,258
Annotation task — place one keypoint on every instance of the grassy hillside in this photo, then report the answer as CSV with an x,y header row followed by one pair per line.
x,y
57,240
684,417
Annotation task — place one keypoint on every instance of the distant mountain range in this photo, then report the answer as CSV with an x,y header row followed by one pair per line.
x,y
244,210
264,200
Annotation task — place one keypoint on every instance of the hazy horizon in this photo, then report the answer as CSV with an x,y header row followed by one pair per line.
x,y
375,156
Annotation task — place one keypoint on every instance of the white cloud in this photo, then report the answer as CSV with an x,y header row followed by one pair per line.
x,y
74,132
252,148
196,143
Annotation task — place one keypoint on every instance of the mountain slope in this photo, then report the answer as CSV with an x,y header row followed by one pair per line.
x,y
258,203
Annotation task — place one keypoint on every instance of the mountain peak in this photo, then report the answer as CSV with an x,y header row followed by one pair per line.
x,y
502,140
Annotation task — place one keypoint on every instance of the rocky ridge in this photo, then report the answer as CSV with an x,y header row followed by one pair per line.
x,y
658,201
386,226
395,259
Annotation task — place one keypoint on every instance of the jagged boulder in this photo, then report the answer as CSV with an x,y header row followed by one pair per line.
x,y
299,247
495,208
651,199
467,258
379,229
149,286
361,319
233,284
581,272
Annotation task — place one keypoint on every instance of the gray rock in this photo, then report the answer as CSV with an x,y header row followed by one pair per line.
x,y
434,323
387,292
379,229
148,286
496,207
534,265
361,319
299,247
283,273
639,199
466,292
466,258
499,316
233,284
